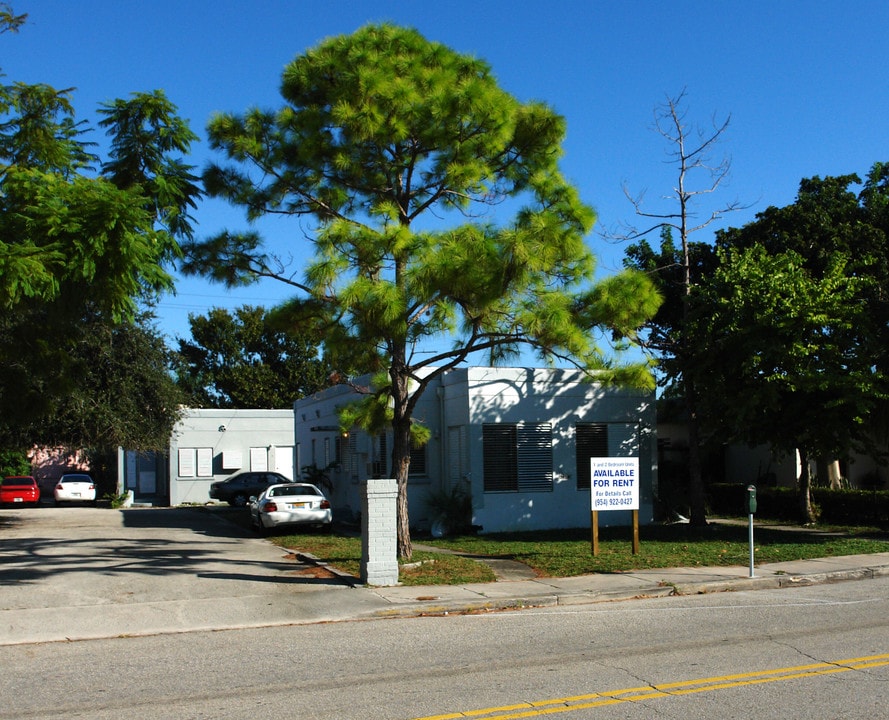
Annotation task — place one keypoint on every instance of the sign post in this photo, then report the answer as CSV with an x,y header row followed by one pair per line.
x,y
594,520
614,485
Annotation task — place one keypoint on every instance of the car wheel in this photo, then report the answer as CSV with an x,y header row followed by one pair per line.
x,y
239,500
261,529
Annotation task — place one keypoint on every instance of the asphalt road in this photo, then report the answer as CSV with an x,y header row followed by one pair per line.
x,y
806,653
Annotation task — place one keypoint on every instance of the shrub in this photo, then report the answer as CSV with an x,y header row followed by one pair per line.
x,y
451,508
836,507
14,462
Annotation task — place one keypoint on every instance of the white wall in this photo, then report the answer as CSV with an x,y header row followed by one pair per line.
x,y
563,398
455,407
210,445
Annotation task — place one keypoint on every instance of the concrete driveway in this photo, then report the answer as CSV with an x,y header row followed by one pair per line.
x,y
77,572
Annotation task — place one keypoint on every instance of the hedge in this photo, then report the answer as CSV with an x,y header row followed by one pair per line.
x,y
834,507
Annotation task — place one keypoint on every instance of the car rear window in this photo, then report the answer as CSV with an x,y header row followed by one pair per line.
x,y
293,490
18,482
76,478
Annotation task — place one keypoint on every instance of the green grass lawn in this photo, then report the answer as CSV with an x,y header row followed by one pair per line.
x,y
565,553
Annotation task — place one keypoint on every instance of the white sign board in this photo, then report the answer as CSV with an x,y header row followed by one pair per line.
x,y
614,483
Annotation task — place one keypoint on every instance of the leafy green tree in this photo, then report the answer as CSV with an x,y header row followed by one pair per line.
x,y
148,140
827,217
241,360
824,262
442,221
782,356
835,217
102,385
14,462
9,21
80,247
65,230
62,224
127,396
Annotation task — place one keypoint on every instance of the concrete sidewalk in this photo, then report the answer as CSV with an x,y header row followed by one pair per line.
x,y
84,573
628,585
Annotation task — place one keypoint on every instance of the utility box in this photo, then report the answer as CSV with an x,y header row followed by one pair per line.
x,y
750,499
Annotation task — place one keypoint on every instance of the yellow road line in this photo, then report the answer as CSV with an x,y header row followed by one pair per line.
x,y
540,708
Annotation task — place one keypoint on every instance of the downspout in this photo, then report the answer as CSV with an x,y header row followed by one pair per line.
x,y
442,438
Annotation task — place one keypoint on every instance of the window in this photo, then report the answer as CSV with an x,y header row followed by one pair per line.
x,y
380,453
346,456
518,457
418,461
591,441
603,440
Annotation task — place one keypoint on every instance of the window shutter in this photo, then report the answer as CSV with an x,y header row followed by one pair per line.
x,y
591,440
418,460
500,458
535,457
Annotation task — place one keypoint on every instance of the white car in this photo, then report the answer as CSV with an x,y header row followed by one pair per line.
x,y
290,505
75,487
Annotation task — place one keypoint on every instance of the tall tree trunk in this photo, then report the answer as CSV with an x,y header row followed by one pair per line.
x,y
835,475
401,450
697,500
401,460
804,486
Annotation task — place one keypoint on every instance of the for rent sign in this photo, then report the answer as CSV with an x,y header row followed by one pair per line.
x,y
614,483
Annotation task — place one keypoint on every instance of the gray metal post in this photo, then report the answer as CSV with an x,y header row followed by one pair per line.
x,y
750,534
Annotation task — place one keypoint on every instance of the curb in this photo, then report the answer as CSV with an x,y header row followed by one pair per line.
x,y
458,607
434,607
775,582
318,562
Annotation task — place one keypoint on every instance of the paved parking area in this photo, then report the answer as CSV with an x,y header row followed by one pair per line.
x,y
72,556
77,568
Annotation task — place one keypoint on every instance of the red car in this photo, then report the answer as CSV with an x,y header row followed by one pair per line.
x,y
19,490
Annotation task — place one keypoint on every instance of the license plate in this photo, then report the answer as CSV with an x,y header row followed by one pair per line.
x,y
15,500
297,506
75,494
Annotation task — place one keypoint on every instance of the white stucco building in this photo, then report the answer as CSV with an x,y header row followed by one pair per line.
x,y
210,445
519,438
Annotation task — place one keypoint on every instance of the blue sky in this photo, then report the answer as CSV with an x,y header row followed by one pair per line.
x,y
805,85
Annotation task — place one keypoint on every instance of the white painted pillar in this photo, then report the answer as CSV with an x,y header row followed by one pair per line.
x,y
379,532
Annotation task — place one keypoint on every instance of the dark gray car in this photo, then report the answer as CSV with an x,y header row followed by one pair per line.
x,y
237,488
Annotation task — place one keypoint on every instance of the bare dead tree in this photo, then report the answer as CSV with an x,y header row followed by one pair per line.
x,y
690,152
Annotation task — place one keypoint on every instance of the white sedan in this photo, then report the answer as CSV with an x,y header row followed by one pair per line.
x,y
289,505
75,487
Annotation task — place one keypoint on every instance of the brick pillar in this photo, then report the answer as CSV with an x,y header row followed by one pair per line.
x,y
379,532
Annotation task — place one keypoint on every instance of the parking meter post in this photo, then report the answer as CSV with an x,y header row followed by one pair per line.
x,y
751,508
750,533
